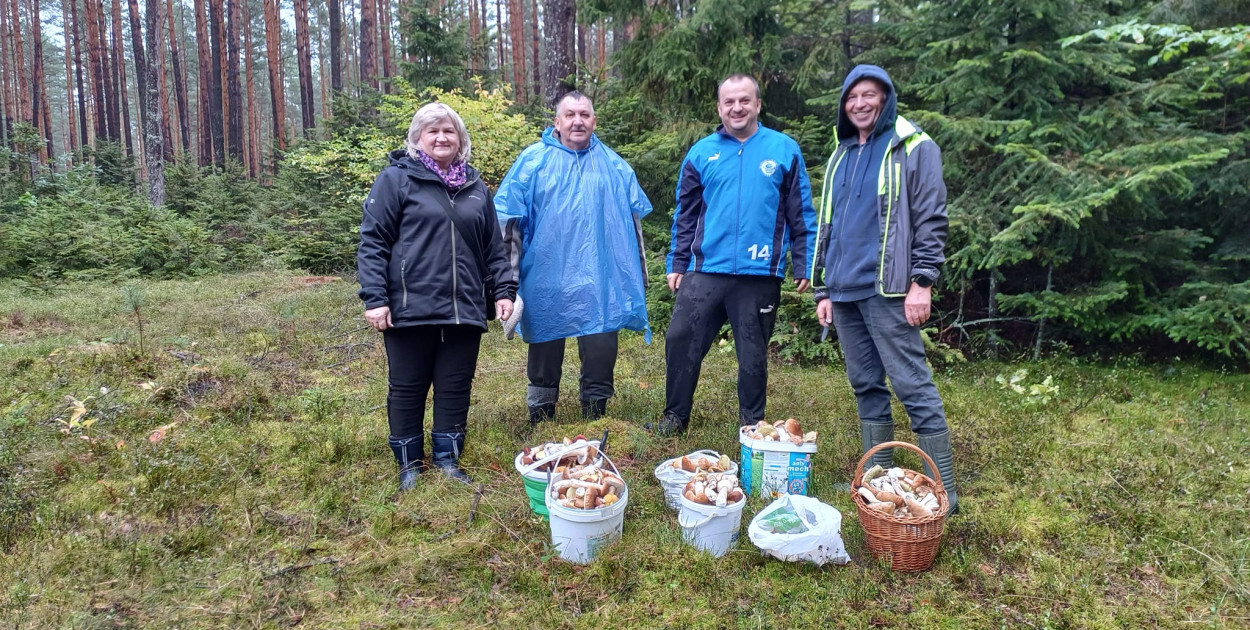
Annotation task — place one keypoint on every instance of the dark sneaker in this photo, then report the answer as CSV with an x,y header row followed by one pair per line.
x,y
670,425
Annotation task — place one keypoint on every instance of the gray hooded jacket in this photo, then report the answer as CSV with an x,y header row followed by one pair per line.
x,y
911,203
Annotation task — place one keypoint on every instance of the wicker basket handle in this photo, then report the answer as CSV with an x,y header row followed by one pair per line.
x,y
859,468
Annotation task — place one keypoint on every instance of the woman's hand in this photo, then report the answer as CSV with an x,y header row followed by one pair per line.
x,y
380,317
503,309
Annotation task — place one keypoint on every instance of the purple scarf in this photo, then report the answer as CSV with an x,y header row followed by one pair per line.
x,y
454,177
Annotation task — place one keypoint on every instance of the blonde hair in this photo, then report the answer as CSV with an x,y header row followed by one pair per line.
x,y
429,114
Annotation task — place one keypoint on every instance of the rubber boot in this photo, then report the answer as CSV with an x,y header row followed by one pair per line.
x,y
872,434
542,412
408,453
446,449
938,446
594,409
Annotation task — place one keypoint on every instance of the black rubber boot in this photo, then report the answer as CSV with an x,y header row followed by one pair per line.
x,y
594,409
446,449
542,412
938,446
408,453
670,425
874,433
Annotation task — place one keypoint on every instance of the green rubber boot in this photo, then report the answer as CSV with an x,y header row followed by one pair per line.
x,y
874,433
938,446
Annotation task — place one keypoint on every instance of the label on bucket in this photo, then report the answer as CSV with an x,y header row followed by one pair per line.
x,y
595,542
775,472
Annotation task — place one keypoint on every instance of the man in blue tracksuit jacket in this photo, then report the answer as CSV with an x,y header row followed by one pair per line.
x,y
878,251
743,202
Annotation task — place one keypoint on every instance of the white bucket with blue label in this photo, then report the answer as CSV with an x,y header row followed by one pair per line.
x,y
774,468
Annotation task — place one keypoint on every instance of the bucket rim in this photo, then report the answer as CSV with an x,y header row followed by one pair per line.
x,y
535,475
737,506
587,516
778,447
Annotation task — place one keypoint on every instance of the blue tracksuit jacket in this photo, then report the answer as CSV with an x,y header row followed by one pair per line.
x,y
742,205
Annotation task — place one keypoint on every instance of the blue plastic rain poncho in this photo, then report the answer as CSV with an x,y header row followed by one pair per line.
x,y
571,222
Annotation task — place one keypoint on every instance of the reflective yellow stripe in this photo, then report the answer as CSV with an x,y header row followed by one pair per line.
x,y
826,207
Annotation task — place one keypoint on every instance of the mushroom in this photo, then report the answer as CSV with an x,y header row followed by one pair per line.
x,y
792,427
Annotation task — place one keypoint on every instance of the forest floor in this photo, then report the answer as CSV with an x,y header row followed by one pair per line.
x,y
268,498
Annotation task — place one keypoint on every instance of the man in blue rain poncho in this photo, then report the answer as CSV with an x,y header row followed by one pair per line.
x,y
571,211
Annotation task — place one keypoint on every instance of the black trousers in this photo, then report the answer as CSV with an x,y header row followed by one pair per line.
x,y
598,356
419,357
704,302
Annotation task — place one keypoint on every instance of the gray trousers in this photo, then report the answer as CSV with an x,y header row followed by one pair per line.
x,y
877,342
546,360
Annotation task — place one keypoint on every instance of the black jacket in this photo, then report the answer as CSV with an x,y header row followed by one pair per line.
x,y
415,260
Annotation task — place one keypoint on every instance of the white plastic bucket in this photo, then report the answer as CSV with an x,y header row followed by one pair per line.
x,y
536,481
710,528
674,480
579,534
774,468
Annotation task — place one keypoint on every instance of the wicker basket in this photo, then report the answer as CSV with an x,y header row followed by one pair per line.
x,y
909,542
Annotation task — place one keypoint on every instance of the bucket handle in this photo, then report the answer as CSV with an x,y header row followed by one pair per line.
x,y
559,455
681,521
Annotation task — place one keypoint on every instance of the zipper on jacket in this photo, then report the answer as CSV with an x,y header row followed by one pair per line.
x,y
738,213
455,291
403,278
842,217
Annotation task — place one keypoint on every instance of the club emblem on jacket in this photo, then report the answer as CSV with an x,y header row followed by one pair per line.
x,y
768,167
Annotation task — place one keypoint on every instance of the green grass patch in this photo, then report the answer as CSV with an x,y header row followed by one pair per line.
x,y
1119,502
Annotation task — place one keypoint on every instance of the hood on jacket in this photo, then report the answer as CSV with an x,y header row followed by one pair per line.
x,y
400,158
889,110
551,138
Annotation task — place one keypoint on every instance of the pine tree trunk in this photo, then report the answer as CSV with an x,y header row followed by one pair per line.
x,y
216,96
336,44
499,37
76,33
559,71
583,41
141,63
151,129
67,31
368,45
97,73
205,82
303,58
277,92
110,77
537,75
516,27
167,134
321,64
39,91
601,44
119,69
6,66
384,24
180,86
253,125
234,95
21,97
475,35
351,28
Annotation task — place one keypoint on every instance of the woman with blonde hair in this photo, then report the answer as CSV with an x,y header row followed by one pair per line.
x,y
432,269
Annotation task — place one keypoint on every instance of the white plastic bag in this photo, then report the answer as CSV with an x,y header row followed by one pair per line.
x,y
798,528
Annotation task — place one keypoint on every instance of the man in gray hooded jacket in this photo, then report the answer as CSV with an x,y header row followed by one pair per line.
x,y
879,245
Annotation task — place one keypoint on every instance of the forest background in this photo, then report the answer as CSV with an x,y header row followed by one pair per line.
x,y
1095,153
191,428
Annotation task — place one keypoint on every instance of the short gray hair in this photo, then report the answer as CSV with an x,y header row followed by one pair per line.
x,y
429,114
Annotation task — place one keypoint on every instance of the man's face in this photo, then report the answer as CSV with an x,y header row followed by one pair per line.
x,y
575,121
739,107
863,105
